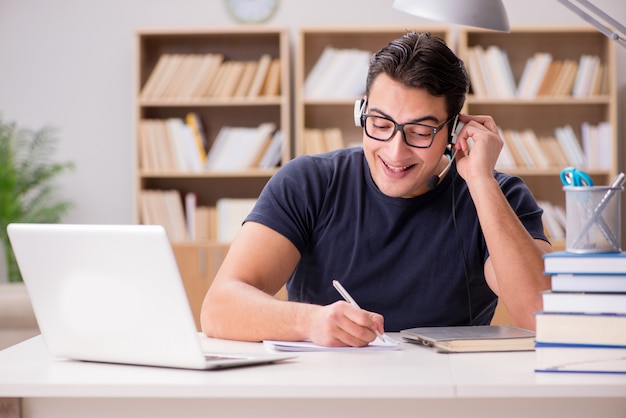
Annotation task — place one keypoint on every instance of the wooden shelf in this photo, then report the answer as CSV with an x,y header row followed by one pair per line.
x,y
247,43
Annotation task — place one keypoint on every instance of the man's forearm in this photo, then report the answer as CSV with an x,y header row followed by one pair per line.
x,y
241,312
515,256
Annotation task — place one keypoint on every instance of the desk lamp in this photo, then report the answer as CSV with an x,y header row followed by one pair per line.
x,y
491,14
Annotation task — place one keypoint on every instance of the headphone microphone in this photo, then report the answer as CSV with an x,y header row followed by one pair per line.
x,y
434,180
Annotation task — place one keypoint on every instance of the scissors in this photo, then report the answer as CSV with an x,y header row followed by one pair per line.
x,y
571,176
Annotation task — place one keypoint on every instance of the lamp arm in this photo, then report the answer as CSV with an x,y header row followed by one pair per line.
x,y
616,31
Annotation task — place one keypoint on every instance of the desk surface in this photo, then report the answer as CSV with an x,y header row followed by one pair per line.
x,y
414,373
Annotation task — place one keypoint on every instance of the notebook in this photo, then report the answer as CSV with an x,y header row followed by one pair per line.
x,y
477,338
113,293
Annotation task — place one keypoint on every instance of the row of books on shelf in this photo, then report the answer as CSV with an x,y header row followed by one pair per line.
x,y
187,221
196,76
525,149
491,75
582,327
338,74
317,141
179,145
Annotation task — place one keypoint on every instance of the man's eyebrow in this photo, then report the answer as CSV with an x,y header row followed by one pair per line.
x,y
418,120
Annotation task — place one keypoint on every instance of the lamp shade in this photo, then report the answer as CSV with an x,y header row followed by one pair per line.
x,y
488,14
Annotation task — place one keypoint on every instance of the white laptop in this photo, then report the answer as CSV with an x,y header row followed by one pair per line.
x,y
113,293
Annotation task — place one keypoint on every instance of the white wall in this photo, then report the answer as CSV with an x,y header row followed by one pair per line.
x,y
70,63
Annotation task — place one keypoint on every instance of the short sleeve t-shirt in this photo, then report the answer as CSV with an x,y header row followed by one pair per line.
x,y
417,261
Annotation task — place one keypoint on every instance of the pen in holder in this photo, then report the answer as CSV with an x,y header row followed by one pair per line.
x,y
593,217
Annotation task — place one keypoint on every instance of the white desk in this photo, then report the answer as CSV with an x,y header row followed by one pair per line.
x,y
415,381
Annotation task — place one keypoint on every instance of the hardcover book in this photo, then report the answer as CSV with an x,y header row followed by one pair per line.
x,y
566,262
479,338
562,358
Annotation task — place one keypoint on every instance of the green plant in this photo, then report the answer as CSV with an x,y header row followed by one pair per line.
x,y
27,188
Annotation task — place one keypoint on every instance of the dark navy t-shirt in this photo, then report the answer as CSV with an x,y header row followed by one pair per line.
x,y
417,261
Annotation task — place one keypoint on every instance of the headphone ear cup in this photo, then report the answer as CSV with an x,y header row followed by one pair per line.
x,y
457,125
359,107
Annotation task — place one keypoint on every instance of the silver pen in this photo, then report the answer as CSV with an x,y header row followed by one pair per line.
x,y
344,294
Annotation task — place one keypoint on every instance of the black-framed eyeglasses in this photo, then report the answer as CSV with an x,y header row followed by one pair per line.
x,y
416,135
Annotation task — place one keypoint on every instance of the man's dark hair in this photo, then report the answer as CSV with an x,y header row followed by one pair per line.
x,y
425,62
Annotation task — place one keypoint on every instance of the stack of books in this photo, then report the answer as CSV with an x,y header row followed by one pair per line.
x,y
582,327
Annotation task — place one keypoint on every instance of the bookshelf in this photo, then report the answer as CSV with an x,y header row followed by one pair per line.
x,y
200,71
331,115
214,108
544,113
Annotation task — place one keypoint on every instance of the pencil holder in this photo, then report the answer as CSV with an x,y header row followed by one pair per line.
x,y
593,219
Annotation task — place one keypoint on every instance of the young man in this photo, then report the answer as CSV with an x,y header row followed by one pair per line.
x,y
415,240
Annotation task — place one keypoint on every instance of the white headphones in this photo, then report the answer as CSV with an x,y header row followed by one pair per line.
x,y
359,108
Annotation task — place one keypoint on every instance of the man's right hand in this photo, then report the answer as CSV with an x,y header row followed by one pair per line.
x,y
341,324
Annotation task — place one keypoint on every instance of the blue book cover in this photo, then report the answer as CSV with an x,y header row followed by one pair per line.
x,y
592,263
570,358
589,282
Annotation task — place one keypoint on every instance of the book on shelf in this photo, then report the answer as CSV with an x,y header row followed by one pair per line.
x,y
338,74
180,78
596,283
552,149
492,66
597,143
272,155
505,159
191,202
584,302
564,83
200,65
260,75
587,263
154,138
477,83
206,223
149,88
246,79
572,148
550,78
161,75
187,156
530,141
231,213
581,329
533,74
239,148
231,80
565,358
472,338
318,141
588,72
271,85
164,207
201,221
481,72
148,159
205,82
212,89
197,128
553,218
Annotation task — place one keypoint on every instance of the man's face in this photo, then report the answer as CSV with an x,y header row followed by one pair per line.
x,y
398,169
